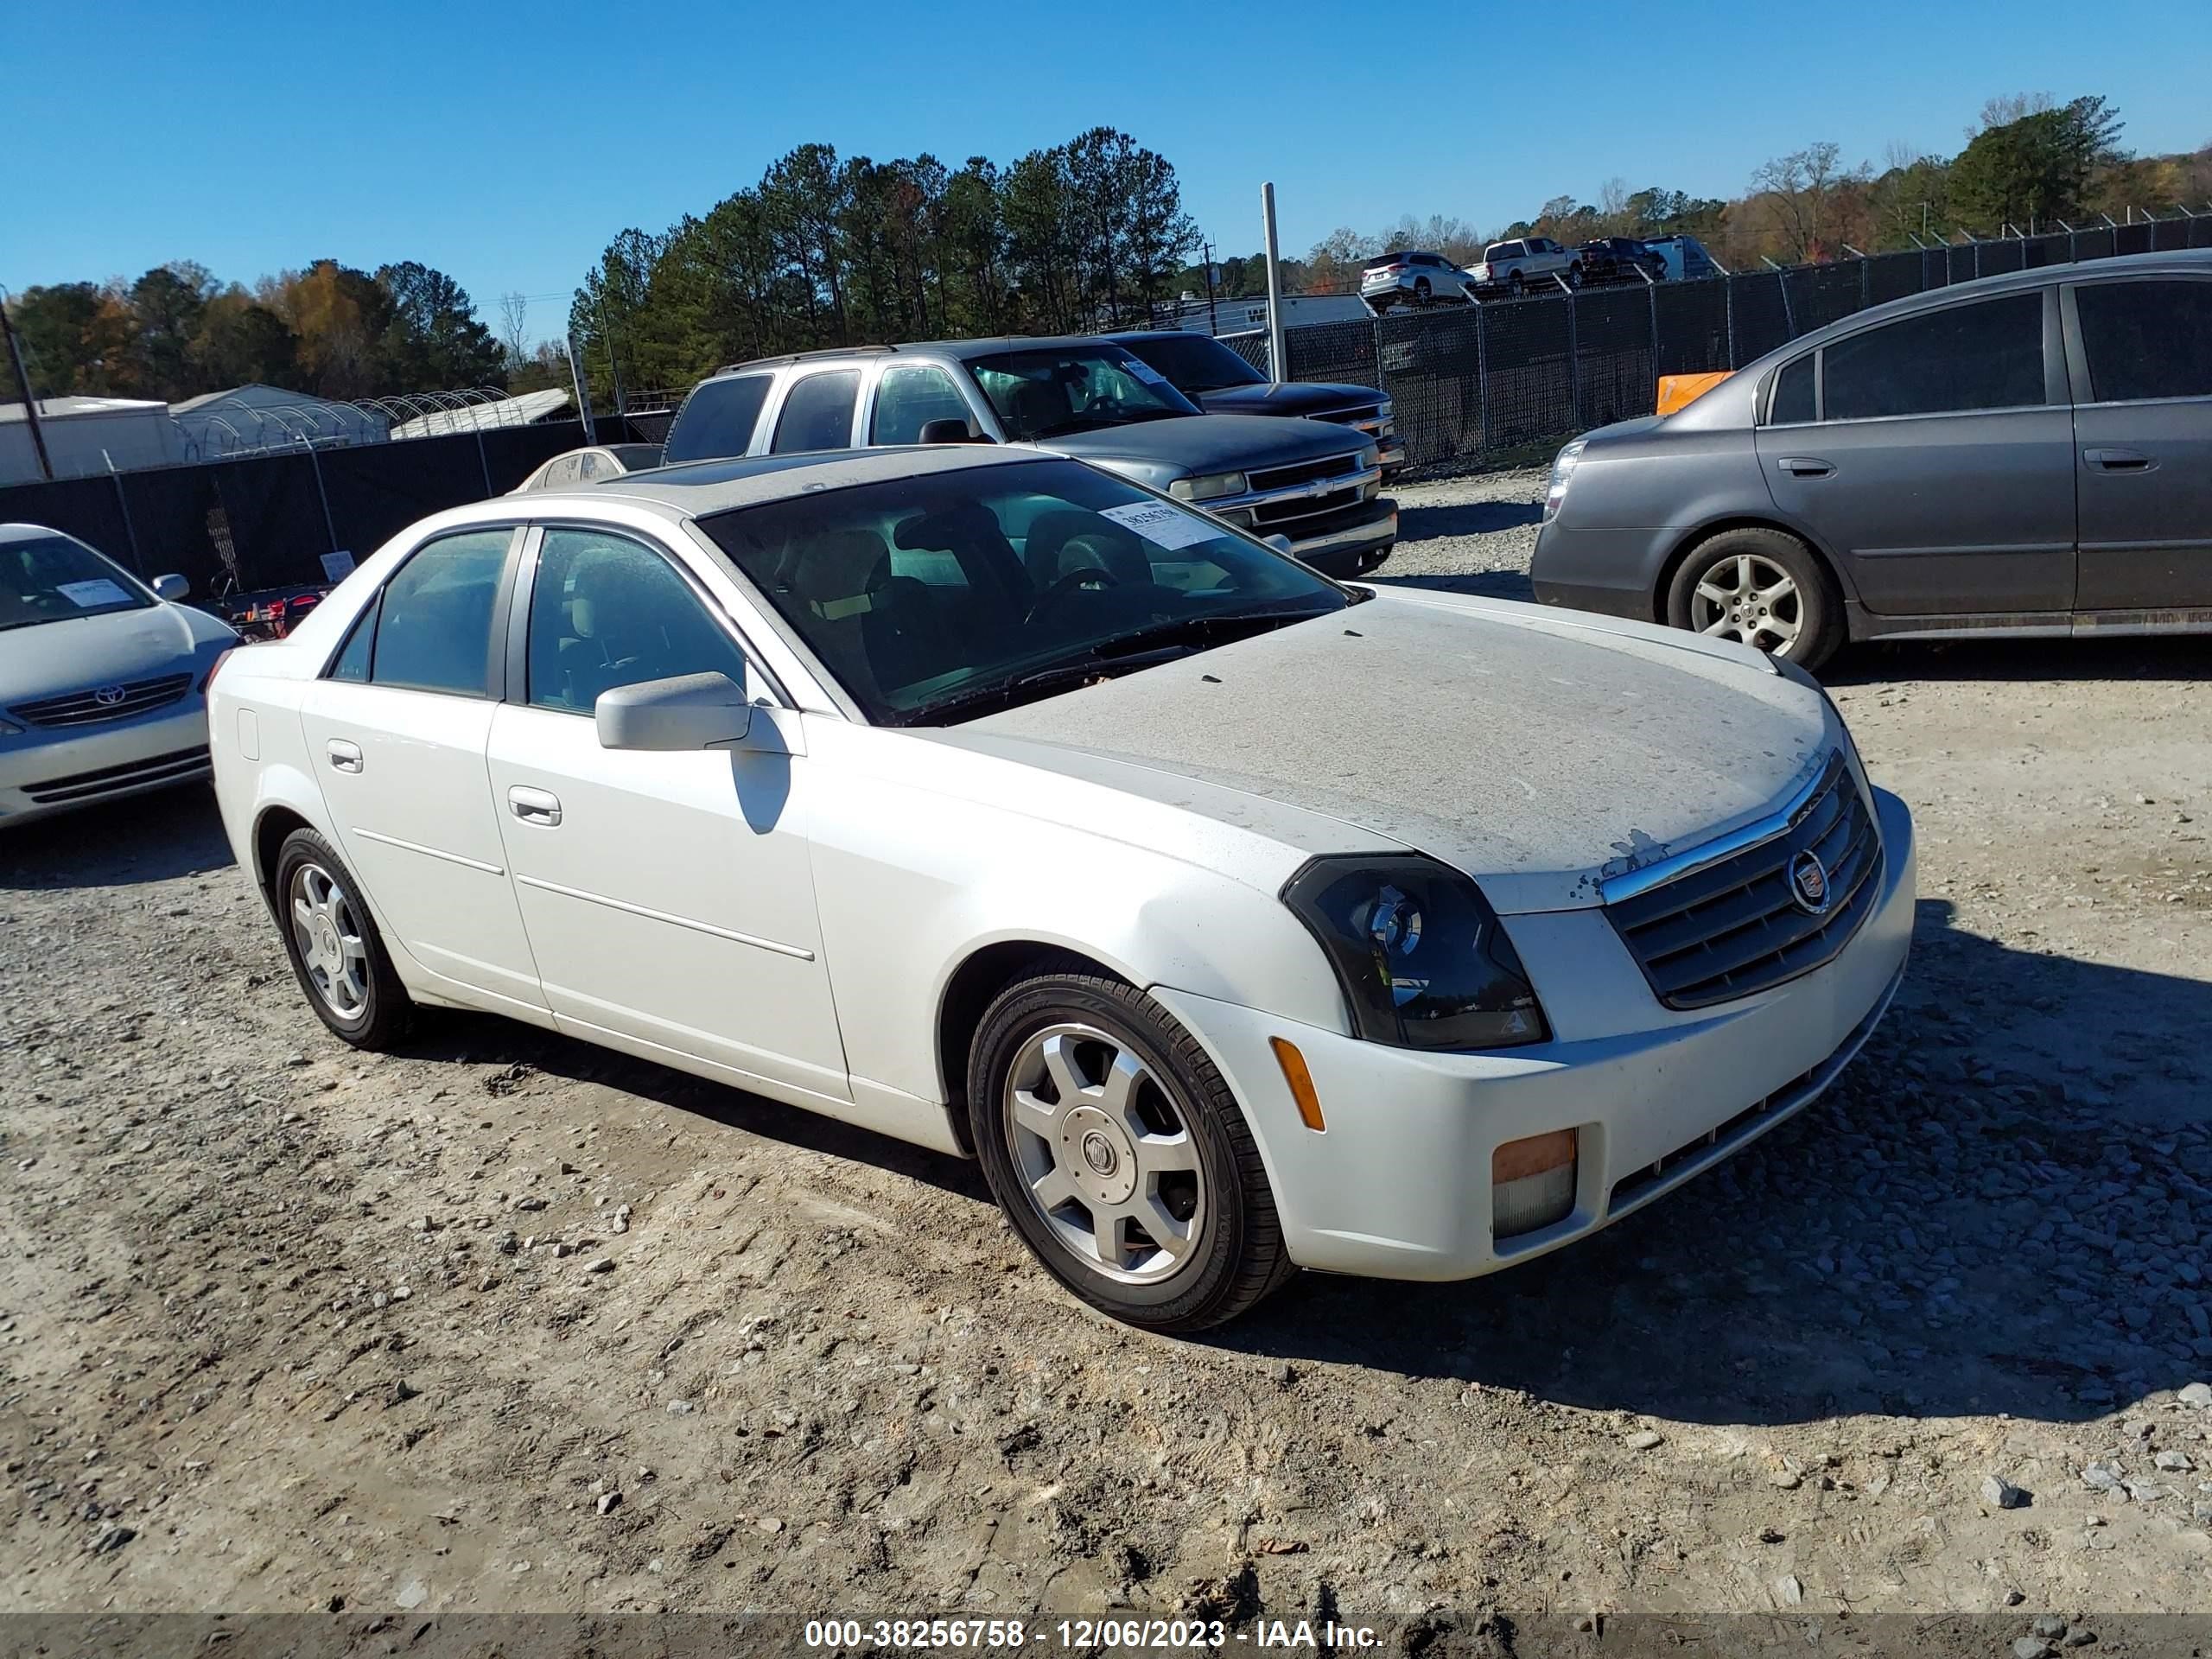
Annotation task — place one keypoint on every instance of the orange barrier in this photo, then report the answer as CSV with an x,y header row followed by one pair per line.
x,y
1680,391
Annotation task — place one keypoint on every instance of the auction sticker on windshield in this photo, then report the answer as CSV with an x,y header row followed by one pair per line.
x,y
99,591
1161,525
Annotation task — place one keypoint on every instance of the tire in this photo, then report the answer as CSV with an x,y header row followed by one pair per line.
x,y
1514,286
1210,1192
348,976
1804,623
1421,290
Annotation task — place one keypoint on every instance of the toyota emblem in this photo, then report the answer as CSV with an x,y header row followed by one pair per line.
x,y
108,695
1808,884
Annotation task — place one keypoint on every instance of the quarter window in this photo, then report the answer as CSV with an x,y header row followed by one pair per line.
x,y
817,413
2146,340
606,612
908,398
1793,394
1987,355
718,417
433,627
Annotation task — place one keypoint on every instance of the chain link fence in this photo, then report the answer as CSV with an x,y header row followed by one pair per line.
x,y
1467,380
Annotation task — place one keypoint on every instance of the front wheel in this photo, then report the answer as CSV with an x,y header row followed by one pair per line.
x,y
1120,1155
1514,286
1575,276
1761,588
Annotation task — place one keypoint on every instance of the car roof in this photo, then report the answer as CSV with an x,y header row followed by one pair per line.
x,y
27,533
694,489
961,350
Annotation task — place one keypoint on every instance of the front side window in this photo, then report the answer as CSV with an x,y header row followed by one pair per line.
x,y
1043,393
718,417
941,595
433,627
908,398
50,578
607,612
817,414
1986,355
2146,340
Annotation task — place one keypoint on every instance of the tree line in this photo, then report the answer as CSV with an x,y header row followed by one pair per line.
x,y
327,329
2029,163
831,251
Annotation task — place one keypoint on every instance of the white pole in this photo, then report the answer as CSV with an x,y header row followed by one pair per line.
x,y
583,393
1277,368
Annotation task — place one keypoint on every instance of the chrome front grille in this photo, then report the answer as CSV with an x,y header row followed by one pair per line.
x,y
1368,417
105,704
1286,478
1741,924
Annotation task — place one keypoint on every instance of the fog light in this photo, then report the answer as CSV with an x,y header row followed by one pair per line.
x,y
1532,1183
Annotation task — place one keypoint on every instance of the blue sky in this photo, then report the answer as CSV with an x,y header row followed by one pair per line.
x,y
507,145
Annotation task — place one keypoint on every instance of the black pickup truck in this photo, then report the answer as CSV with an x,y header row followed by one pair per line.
x,y
1220,382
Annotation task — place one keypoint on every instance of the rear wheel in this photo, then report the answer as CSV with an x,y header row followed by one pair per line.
x,y
1120,1155
1761,588
1514,285
1421,290
334,945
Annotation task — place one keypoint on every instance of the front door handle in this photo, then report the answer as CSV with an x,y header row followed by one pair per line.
x,y
535,805
2118,460
1806,467
344,756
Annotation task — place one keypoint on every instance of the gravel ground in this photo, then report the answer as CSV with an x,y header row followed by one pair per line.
x,y
508,1322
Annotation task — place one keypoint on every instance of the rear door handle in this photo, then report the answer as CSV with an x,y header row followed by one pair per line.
x,y
2118,460
344,756
535,805
1805,466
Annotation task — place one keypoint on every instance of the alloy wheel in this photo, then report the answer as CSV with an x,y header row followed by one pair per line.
x,y
332,946
1750,599
1104,1153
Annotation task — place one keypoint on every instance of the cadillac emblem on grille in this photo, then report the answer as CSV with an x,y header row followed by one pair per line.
x,y
1808,884
108,695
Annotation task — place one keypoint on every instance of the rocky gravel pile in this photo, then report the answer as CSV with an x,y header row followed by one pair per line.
x,y
510,1322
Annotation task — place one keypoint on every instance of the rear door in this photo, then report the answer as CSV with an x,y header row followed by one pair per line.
x,y
2141,349
1938,461
397,732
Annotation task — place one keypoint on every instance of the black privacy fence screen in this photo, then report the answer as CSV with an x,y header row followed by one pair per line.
x,y
1471,379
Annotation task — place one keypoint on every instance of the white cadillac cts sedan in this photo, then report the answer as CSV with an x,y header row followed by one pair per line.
x,y
1235,920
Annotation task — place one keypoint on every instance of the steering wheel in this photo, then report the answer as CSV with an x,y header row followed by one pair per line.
x,y
1067,583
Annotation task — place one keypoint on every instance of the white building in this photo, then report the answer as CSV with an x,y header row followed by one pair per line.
x,y
251,419
85,435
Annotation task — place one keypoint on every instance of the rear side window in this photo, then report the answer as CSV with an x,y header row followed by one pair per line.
x,y
1793,394
2146,340
1964,357
718,417
433,629
817,414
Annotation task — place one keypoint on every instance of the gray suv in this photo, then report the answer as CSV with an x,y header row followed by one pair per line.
x,y
1311,487
2030,454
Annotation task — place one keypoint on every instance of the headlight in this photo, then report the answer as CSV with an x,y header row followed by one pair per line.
x,y
1211,487
1387,410
1420,953
1562,476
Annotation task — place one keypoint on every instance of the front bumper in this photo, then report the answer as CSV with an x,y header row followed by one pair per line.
x,y
44,771
1347,542
1398,1184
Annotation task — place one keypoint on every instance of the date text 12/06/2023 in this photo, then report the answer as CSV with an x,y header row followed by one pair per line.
x,y
997,1635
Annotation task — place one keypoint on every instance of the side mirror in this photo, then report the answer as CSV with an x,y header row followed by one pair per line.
x,y
1281,544
688,711
171,586
946,429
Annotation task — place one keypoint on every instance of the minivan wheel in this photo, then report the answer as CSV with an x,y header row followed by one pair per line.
x,y
334,945
1120,1155
1761,588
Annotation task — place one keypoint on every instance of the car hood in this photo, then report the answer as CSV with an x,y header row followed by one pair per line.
x,y
1542,754
79,653
1206,443
1285,398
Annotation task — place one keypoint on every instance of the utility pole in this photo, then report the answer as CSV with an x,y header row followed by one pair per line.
x,y
613,369
583,391
23,385
1277,369
1213,323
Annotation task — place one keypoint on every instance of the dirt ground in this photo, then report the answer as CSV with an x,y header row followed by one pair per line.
x,y
511,1323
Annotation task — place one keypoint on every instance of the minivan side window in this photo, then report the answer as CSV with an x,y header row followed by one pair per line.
x,y
2146,339
606,612
909,397
718,417
1986,355
432,629
817,413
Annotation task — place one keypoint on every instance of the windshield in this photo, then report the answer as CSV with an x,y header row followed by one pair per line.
x,y
1197,363
1051,390
52,578
943,596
